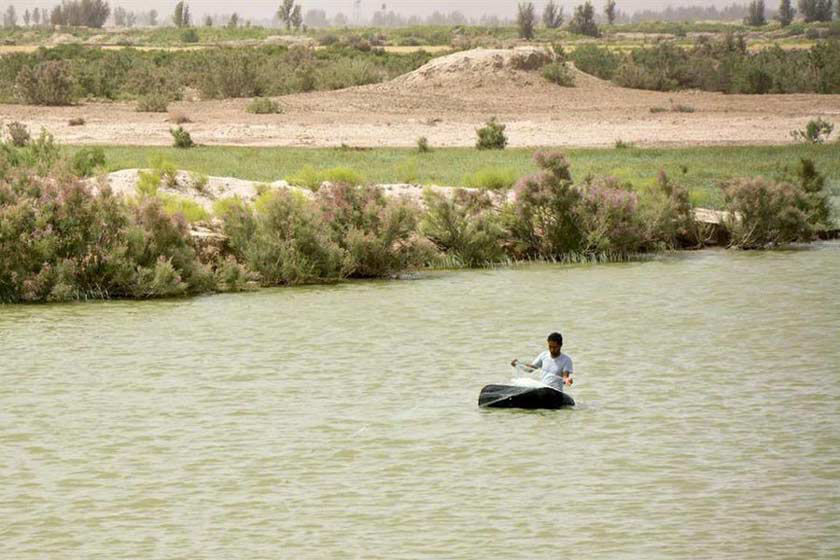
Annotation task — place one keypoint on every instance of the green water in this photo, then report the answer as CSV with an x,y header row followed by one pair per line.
x,y
341,422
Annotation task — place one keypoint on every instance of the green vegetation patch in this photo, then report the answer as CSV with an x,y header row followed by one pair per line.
x,y
700,169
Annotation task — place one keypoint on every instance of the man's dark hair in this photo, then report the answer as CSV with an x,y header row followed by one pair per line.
x,y
556,337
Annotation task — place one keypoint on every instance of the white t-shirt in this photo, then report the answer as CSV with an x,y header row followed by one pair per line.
x,y
553,368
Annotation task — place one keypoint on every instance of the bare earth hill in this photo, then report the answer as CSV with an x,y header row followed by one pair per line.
x,y
445,101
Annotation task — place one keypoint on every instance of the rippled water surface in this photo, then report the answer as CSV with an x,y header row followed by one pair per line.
x,y
341,422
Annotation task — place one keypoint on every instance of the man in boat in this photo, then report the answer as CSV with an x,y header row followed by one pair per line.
x,y
556,367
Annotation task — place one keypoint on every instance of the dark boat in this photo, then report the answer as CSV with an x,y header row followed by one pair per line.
x,y
512,396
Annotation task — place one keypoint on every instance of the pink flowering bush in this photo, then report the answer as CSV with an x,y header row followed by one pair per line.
x,y
609,219
60,242
543,220
764,213
378,233
668,216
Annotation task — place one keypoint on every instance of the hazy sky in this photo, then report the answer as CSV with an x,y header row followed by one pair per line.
x,y
264,8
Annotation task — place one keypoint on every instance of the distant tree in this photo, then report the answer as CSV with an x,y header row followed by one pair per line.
x,y
233,22
525,19
755,17
284,13
297,18
815,10
119,16
56,16
130,19
27,17
340,20
36,17
552,15
208,21
10,17
178,15
583,23
786,13
609,11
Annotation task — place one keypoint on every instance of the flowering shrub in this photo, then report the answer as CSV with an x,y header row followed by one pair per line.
x,y
609,219
465,226
543,219
668,216
766,213
378,233
285,240
60,242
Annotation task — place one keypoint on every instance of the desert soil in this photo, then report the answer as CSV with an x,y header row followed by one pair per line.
x,y
445,101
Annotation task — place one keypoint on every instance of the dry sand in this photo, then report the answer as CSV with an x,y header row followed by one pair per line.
x,y
445,101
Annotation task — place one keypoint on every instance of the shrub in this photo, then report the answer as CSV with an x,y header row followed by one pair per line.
x,y
764,213
60,242
598,61
263,106
199,181
407,171
148,183
542,219
622,145
609,220
378,233
86,160
48,83
491,136
558,73
231,276
153,103
465,226
187,209
18,134
423,145
491,178
306,177
817,131
669,217
285,241
79,121
189,36
658,110
181,137
236,74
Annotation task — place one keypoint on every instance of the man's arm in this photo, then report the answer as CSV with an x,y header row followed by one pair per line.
x,y
515,363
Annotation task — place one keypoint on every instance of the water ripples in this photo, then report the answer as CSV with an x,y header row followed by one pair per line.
x,y
341,421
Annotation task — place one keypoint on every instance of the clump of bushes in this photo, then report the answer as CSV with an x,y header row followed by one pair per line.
x,y
60,242
423,145
78,121
817,131
465,226
87,160
558,73
762,212
491,136
181,138
47,83
263,106
18,134
153,103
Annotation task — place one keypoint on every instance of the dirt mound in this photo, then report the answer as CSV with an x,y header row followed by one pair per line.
x,y
475,66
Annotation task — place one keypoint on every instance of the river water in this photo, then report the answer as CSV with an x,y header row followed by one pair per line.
x,y
341,421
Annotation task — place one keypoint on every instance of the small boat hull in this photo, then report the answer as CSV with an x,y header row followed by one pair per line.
x,y
512,396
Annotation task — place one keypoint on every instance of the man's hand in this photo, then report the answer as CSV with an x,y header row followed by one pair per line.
x,y
567,378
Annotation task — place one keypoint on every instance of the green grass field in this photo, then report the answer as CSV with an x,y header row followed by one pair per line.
x,y
700,169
